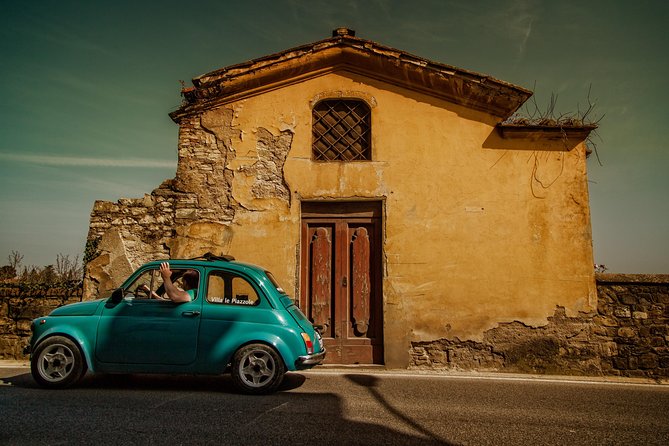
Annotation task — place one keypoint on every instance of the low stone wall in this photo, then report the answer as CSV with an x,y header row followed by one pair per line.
x,y
20,304
628,335
634,314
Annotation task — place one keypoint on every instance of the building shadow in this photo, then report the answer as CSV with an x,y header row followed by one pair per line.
x,y
370,382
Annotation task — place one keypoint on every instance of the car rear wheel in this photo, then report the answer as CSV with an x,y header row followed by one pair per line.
x,y
57,363
257,369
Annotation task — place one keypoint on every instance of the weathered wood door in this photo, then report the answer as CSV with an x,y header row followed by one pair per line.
x,y
340,287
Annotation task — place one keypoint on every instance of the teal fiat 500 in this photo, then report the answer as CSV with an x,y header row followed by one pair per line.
x,y
238,320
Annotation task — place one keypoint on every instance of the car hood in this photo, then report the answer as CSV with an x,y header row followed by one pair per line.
x,y
78,309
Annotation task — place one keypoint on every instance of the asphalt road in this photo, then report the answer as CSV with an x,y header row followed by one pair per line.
x,y
340,407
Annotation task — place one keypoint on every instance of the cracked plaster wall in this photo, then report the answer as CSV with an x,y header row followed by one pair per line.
x,y
627,335
478,231
193,213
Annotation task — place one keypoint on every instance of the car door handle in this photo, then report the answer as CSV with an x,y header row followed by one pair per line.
x,y
190,313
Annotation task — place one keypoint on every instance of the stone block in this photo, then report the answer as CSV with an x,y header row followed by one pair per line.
x,y
611,332
622,312
627,332
664,361
100,225
633,363
607,321
645,297
657,341
610,349
648,361
598,331
105,206
186,213
620,363
659,330
634,373
628,299
11,347
437,356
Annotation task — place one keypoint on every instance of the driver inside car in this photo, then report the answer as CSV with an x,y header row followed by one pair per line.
x,y
172,291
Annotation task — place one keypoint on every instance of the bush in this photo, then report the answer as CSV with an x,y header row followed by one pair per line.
x,y
65,270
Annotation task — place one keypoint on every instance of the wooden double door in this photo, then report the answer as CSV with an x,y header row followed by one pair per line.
x,y
340,288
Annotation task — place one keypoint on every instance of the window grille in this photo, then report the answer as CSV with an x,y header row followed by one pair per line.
x,y
342,131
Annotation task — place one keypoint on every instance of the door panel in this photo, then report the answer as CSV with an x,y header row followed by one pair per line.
x,y
341,283
148,331
360,279
321,254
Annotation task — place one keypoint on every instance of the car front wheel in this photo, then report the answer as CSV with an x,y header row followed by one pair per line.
x,y
57,363
257,369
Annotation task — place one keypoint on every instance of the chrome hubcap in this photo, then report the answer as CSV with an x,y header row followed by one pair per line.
x,y
257,368
56,362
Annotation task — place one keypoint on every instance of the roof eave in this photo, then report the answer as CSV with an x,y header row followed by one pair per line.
x,y
351,54
547,132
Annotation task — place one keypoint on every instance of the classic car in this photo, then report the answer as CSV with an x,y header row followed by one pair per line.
x,y
238,320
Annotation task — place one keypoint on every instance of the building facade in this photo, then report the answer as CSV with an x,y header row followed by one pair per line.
x,y
384,191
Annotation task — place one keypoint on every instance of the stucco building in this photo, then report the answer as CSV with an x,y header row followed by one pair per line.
x,y
383,190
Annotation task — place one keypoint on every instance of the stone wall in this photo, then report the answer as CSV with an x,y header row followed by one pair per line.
x,y
138,228
187,216
628,335
634,317
20,304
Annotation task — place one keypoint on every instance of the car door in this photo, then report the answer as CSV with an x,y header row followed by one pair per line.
x,y
233,312
145,330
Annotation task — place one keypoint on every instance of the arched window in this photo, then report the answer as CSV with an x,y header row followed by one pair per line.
x,y
342,130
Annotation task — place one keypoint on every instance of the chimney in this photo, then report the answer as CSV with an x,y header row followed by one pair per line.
x,y
341,32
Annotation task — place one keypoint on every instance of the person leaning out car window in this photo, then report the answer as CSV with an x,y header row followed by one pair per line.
x,y
173,292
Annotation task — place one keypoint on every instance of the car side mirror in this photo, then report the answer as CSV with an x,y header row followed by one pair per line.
x,y
117,295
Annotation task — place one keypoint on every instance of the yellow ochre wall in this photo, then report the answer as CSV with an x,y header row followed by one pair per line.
x,y
478,230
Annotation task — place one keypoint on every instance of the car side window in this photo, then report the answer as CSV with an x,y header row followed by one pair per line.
x,y
226,288
149,285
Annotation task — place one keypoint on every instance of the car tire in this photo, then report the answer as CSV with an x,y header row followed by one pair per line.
x,y
257,369
57,363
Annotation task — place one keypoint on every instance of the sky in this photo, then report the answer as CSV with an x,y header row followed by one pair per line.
x,y
86,88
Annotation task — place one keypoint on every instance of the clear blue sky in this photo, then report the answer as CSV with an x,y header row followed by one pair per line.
x,y
86,87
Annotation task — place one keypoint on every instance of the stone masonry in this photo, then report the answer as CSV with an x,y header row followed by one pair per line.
x,y
628,335
189,215
20,304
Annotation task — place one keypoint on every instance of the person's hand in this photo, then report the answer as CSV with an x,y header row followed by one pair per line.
x,y
165,271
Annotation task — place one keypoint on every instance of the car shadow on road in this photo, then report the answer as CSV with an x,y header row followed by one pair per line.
x,y
285,416
191,383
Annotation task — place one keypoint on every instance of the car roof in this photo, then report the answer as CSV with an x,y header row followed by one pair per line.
x,y
223,263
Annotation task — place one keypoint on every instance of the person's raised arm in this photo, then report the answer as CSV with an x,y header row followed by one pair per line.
x,y
172,291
